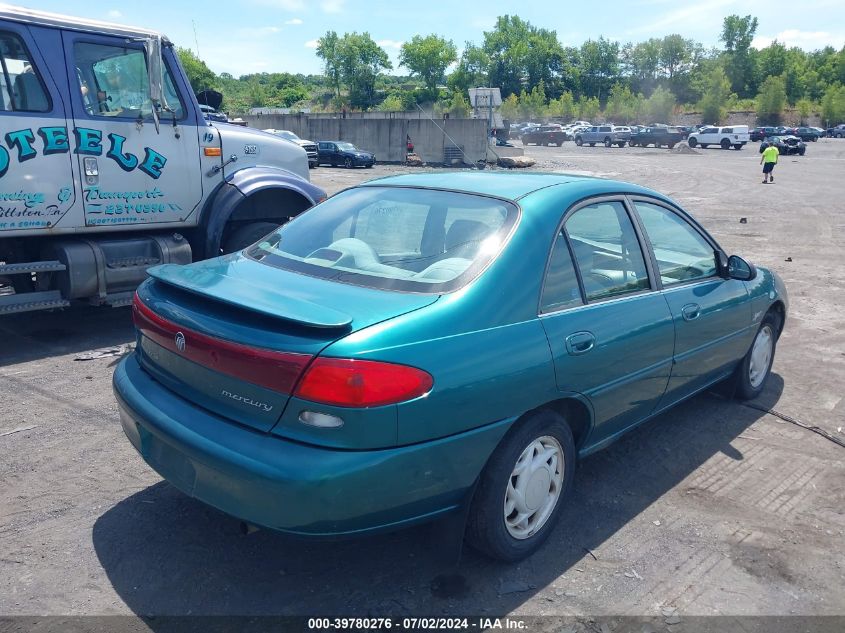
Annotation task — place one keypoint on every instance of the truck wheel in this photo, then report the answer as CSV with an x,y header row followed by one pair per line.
x,y
738,146
592,144
247,235
607,142
692,142
578,141
725,144
523,488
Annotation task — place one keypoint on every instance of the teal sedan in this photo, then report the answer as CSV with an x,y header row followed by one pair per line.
x,y
437,346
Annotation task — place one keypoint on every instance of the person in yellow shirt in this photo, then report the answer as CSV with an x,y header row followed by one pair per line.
x,y
769,159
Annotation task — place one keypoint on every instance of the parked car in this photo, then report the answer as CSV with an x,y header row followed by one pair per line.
x,y
760,133
657,136
544,135
836,131
357,370
735,136
336,153
605,134
820,131
310,147
785,144
210,114
804,133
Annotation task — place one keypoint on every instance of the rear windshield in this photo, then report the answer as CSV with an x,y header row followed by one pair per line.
x,y
396,238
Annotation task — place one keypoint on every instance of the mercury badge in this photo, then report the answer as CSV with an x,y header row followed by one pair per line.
x,y
180,341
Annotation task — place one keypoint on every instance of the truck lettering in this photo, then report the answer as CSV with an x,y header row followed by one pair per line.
x,y
88,141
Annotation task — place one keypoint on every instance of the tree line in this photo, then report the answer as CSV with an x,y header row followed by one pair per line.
x,y
541,77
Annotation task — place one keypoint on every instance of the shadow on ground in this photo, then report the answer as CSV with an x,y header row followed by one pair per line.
x,y
167,554
32,336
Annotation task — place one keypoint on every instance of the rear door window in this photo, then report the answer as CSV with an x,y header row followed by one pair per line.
x,y
22,88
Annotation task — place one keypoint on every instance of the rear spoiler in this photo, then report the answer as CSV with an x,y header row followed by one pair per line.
x,y
240,293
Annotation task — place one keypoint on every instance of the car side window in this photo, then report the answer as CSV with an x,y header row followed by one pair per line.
x,y
22,89
682,253
113,82
606,250
560,287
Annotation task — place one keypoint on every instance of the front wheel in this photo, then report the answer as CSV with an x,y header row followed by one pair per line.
x,y
247,235
607,142
523,488
578,141
692,142
751,375
348,163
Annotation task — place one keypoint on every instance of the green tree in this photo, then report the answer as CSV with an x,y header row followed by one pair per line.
x,y
599,60
328,49
471,71
428,57
621,104
771,100
737,35
805,108
833,106
533,104
200,75
391,103
660,106
459,106
640,62
361,61
563,107
510,107
588,108
716,93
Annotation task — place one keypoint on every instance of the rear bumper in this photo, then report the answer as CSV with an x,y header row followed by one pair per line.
x,y
292,487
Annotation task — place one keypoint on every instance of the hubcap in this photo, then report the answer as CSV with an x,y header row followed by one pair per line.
x,y
761,356
534,487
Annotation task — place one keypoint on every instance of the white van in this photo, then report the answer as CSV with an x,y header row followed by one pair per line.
x,y
735,136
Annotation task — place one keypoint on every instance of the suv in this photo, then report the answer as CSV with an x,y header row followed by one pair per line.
x,y
657,136
544,135
310,147
805,133
735,136
759,133
606,134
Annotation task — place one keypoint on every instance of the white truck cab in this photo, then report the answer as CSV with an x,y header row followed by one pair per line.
x,y
735,136
107,165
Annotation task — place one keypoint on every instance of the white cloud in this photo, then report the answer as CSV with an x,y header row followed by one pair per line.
x,y
114,13
294,22
332,6
390,44
312,44
808,40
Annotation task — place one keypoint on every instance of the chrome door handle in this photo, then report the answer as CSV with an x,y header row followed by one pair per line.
x,y
580,343
691,311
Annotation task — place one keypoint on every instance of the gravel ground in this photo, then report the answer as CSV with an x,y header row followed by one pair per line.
x,y
713,508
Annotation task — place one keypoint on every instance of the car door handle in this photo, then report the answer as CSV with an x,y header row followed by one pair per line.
x,y
580,343
691,311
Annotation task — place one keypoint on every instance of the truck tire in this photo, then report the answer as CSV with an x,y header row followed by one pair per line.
x,y
738,146
692,142
725,144
578,141
607,142
247,235
621,143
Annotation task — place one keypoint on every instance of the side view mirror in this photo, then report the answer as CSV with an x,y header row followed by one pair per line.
x,y
740,269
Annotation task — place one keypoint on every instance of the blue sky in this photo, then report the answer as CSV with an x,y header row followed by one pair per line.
x,y
279,35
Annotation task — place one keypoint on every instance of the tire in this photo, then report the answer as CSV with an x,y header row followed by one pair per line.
x,y
247,235
578,141
592,144
692,142
704,145
802,152
487,530
607,142
622,144
725,144
738,146
348,163
671,145
751,375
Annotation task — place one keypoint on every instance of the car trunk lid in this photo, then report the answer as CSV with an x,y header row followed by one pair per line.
x,y
234,335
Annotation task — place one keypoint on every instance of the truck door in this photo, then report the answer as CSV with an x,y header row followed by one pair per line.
x,y
131,173
36,178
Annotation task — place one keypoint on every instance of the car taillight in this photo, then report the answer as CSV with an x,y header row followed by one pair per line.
x,y
346,382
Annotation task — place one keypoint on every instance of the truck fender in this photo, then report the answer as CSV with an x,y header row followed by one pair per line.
x,y
227,203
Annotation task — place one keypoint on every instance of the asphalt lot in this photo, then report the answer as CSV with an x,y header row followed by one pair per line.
x,y
713,508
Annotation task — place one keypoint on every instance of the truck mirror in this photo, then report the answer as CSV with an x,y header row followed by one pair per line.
x,y
152,46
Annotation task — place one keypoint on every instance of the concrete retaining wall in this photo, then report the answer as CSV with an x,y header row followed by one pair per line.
x,y
433,141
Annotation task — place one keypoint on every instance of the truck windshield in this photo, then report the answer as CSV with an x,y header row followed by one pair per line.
x,y
113,82
394,238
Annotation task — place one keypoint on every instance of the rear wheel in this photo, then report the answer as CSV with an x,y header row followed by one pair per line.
x,y
738,146
523,488
692,142
579,141
751,374
247,235
607,142
348,163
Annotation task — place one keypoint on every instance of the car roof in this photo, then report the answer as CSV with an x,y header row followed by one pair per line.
x,y
507,185
44,18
